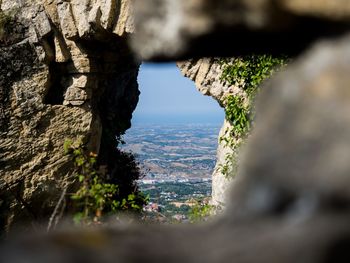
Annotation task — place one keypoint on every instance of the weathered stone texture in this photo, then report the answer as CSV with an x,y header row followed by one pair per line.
x,y
63,76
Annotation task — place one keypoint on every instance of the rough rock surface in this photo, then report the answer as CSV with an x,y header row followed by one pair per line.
x,y
65,73
206,73
290,202
173,30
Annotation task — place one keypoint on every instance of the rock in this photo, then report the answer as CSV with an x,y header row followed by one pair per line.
x,y
339,10
64,11
125,19
42,24
207,73
290,202
54,87
81,81
108,10
80,11
62,53
75,96
177,30
298,158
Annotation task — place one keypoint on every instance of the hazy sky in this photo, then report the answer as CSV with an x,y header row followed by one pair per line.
x,y
167,96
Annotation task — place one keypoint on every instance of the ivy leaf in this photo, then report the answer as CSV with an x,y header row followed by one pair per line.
x,y
67,146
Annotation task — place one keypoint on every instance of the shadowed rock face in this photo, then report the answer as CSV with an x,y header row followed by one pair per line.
x,y
173,30
66,73
290,202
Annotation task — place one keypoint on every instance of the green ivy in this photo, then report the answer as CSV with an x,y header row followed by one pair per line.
x,y
248,72
238,114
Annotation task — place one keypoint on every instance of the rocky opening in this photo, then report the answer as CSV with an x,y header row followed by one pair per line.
x,y
174,135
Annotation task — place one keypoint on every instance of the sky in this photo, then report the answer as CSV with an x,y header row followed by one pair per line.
x,y
168,97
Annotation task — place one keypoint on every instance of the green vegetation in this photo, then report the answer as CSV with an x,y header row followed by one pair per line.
x,y
201,211
250,71
247,73
96,196
167,194
238,113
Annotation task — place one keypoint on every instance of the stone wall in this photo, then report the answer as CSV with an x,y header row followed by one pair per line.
x,y
66,73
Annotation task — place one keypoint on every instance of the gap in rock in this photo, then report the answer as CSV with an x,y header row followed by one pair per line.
x,y
174,136
56,90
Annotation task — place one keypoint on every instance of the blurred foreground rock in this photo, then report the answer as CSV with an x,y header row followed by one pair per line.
x,y
290,202
182,29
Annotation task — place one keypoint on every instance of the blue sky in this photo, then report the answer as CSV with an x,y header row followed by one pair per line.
x,y
168,97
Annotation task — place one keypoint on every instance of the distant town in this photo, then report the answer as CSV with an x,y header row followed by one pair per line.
x,y
177,161
174,151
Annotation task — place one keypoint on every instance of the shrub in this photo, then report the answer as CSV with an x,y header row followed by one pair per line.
x,y
202,211
96,196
